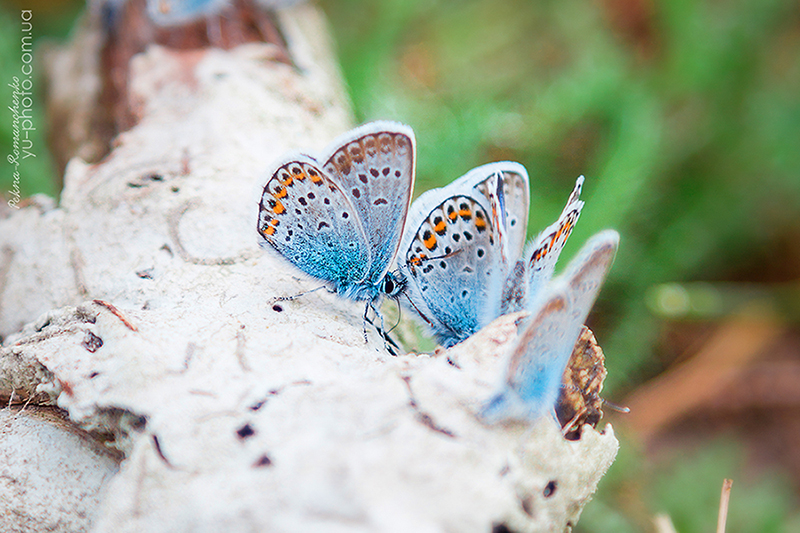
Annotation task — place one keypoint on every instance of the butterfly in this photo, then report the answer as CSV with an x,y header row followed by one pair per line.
x,y
462,255
339,219
180,12
547,337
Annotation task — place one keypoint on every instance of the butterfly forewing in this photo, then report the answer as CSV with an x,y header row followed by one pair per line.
x,y
308,219
459,291
375,167
533,371
548,337
586,273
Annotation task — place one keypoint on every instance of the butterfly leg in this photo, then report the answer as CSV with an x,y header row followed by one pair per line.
x,y
388,342
574,423
295,296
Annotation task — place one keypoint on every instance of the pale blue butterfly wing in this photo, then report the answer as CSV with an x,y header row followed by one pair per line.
x,y
375,166
452,254
308,219
338,221
548,336
449,265
544,250
513,207
529,275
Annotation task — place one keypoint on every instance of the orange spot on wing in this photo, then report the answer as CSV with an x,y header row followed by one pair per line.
x,y
281,193
430,241
440,227
315,178
279,209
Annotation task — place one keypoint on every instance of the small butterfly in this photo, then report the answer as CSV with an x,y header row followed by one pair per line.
x,y
180,12
462,254
546,340
339,218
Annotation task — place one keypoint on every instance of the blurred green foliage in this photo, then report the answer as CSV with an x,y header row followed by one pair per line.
x,y
683,115
35,173
688,490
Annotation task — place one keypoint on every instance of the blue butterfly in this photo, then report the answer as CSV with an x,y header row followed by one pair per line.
x,y
547,337
462,257
339,219
179,12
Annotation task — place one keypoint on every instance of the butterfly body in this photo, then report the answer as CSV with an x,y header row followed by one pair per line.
x,y
339,219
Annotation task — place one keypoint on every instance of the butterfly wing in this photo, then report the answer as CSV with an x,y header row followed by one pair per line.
x,y
453,253
308,219
374,166
544,250
515,194
448,261
546,340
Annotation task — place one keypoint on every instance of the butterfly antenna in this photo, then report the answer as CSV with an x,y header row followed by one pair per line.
x,y
615,407
445,256
595,396
399,315
420,313
572,425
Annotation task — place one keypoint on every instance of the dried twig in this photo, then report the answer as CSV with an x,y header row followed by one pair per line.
x,y
723,505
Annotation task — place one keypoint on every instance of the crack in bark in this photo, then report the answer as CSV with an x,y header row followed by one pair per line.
x,y
424,418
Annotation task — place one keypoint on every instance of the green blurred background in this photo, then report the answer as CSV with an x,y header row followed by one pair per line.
x,y
685,119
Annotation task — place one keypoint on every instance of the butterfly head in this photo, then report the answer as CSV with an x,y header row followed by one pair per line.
x,y
393,284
